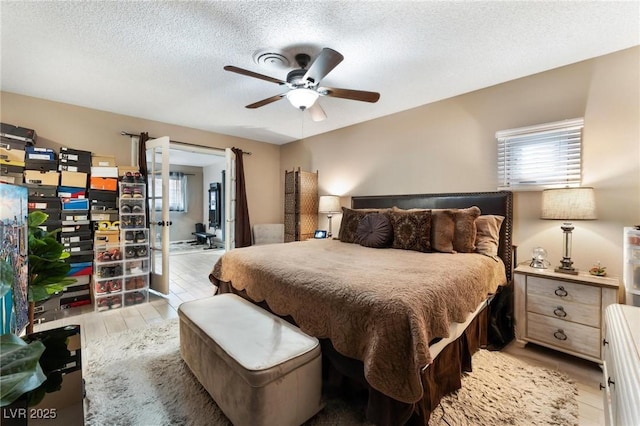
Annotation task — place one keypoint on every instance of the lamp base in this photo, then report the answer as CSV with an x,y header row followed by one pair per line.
x,y
562,270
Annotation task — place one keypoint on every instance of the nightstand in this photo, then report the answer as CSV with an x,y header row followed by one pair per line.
x,y
561,311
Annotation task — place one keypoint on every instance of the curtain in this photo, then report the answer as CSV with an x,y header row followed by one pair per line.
x,y
142,165
243,227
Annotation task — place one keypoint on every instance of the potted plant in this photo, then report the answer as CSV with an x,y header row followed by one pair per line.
x,y
47,268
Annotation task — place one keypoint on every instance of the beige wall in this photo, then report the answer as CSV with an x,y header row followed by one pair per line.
x,y
59,124
450,146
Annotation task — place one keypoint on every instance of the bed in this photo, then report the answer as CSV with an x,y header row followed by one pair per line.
x,y
402,321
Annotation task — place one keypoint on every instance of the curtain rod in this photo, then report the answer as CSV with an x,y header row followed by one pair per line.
x,y
123,133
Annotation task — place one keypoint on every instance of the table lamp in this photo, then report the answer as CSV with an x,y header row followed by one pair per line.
x,y
568,204
329,204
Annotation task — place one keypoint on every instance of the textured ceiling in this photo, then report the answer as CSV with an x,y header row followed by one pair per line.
x,y
164,60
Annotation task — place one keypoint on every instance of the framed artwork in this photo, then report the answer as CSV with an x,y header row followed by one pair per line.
x,y
14,237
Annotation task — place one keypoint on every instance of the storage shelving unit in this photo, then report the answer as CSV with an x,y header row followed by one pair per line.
x,y
121,273
134,236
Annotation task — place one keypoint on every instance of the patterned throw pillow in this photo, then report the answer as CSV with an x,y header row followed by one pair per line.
x,y
350,221
374,231
411,229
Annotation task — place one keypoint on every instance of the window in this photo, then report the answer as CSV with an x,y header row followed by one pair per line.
x,y
542,156
177,192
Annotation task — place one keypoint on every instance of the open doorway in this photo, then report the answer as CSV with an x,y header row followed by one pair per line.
x,y
192,173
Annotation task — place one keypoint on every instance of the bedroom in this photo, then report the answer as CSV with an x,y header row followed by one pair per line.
x,y
443,146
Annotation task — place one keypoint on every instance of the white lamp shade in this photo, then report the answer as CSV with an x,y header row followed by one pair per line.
x,y
329,204
302,98
569,204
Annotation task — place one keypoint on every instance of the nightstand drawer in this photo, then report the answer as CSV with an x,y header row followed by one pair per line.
x,y
564,310
564,291
567,335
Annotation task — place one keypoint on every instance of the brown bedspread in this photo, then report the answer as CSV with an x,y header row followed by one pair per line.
x,y
380,306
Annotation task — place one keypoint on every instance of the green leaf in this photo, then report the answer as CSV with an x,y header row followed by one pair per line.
x,y
20,370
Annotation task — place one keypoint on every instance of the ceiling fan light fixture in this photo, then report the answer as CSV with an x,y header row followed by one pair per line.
x,y
302,98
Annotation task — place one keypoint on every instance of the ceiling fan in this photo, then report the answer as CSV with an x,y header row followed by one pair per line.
x,y
304,84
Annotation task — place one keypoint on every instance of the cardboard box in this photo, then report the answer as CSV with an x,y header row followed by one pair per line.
x,y
76,155
106,172
75,204
77,216
41,190
122,170
34,153
72,166
75,179
71,192
104,184
74,229
7,168
43,203
41,165
13,163
97,194
20,133
102,238
13,143
12,154
103,161
43,178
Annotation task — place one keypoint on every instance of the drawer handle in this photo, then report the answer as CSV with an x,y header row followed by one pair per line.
x,y
601,386
560,335
604,342
561,292
610,382
559,312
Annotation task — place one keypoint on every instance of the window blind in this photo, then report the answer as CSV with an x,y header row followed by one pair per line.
x,y
543,156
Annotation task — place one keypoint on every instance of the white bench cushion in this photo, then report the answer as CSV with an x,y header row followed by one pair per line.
x,y
256,339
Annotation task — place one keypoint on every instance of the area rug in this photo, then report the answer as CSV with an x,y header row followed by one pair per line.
x,y
138,378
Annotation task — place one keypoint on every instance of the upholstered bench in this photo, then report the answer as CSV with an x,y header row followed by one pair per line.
x,y
258,368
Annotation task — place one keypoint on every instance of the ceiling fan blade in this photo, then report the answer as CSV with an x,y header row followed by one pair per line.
x,y
248,73
327,60
316,111
356,95
266,101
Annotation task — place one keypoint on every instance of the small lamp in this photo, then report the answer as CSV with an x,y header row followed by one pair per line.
x,y
329,204
568,204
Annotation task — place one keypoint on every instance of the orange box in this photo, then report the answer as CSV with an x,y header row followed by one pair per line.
x,y
105,184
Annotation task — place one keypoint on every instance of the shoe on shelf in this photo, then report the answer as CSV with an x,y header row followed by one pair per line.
x,y
128,177
141,251
140,237
128,236
125,208
137,192
126,192
137,209
138,178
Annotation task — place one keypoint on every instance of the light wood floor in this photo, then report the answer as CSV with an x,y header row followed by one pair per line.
x,y
189,276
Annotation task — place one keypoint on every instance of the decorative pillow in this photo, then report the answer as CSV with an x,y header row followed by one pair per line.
x,y
464,237
488,234
411,229
443,226
350,221
374,231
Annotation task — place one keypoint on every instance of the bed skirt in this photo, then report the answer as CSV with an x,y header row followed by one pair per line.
x,y
442,377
